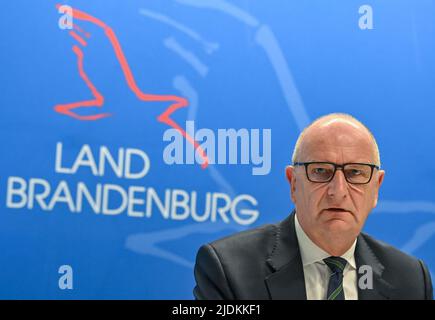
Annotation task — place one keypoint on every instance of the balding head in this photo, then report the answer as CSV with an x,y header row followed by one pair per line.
x,y
333,129
332,213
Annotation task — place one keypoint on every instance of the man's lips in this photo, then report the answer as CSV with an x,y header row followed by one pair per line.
x,y
336,209
333,213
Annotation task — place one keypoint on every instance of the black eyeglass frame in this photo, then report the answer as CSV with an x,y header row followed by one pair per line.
x,y
337,166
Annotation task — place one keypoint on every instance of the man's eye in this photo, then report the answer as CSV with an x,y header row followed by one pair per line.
x,y
354,172
319,170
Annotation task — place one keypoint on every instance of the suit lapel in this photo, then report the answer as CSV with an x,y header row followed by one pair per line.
x,y
364,256
287,280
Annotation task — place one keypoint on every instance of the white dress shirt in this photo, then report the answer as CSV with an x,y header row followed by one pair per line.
x,y
317,273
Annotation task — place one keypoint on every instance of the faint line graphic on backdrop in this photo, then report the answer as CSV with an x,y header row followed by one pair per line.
x,y
148,243
423,233
268,42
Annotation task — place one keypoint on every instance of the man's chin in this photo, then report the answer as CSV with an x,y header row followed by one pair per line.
x,y
333,216
338,225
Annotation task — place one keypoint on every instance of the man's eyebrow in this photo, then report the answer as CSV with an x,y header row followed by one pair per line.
x,y
354,161
317,160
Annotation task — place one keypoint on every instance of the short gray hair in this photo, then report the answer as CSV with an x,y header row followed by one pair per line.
x,y
296,150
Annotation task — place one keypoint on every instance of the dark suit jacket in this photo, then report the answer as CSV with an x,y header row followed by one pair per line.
x,y
265,263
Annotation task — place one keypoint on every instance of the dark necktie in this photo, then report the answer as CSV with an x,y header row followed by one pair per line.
x,y
335,286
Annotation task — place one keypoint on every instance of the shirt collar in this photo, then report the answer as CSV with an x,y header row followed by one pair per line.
x,y
311,253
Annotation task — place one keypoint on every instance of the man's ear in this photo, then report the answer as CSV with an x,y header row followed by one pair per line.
x,y
379,180
381,175
290,174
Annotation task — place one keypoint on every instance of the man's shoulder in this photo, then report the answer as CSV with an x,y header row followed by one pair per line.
x,y
408,276
256,239
255,243
387,253
398,267
236,266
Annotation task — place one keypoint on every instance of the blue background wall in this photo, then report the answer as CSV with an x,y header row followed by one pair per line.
x,y
241,64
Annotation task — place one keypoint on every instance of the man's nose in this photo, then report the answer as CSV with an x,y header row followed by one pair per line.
x,y
337,187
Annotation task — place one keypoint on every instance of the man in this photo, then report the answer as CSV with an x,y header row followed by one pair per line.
x,y
319,251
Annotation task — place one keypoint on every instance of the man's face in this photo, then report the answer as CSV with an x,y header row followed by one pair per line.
x,y
336,207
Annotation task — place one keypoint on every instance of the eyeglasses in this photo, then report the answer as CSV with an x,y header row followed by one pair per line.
x,y
355,173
